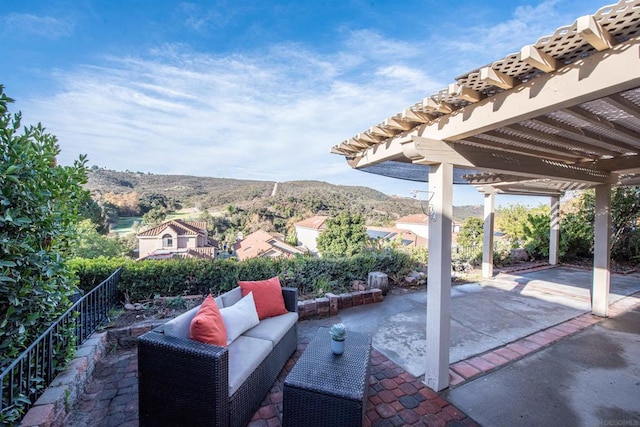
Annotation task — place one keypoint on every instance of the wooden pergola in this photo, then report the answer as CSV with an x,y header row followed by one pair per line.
x,y
561,114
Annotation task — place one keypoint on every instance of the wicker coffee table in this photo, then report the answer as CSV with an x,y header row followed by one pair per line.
x,y
324,389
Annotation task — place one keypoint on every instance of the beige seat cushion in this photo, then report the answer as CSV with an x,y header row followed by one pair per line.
x,y
273,328
245,354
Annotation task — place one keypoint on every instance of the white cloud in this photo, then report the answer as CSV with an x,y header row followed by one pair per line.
x,y
44,26
477,45
270,116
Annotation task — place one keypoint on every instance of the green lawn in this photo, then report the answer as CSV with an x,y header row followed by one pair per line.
x,y
125,225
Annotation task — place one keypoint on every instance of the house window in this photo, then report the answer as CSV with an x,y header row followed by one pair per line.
x,y
167,241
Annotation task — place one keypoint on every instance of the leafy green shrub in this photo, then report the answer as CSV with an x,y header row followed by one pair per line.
x,y
344,235
39,201
536,231
145,279
501,253
471,232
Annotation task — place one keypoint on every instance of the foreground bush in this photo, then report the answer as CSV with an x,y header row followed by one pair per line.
x,y
143,280
38,211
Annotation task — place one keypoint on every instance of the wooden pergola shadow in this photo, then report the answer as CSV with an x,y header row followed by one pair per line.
x,y
562,114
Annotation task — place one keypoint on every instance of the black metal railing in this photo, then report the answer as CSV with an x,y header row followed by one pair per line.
x,y
466,252
26,378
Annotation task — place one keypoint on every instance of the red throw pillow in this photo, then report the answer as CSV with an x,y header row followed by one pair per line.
x,y
267,295
207,325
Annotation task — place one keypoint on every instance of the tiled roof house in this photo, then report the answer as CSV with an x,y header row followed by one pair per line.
x,y
176,238
407,238
263,244
308,231
417,223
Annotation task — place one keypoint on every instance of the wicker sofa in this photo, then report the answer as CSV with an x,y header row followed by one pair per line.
x,y
184,382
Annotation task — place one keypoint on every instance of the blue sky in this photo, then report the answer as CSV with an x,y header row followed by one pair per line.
x,y
248,89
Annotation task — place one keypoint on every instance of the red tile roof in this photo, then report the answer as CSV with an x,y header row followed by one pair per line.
x,y
315,222
259,243
421,219
182,228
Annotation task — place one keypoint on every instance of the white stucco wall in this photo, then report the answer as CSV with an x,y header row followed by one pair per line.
x,y
146,246
421,230
307,238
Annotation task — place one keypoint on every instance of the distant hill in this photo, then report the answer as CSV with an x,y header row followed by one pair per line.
x,y
293,199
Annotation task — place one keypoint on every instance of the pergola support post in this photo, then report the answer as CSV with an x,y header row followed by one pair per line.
x,y
439,277
487,239
601,252
554,230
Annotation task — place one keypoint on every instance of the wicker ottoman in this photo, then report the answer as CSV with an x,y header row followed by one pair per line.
x,y
324,389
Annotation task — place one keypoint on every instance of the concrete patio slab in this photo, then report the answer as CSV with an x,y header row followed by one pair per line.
x,y
589,379
484,316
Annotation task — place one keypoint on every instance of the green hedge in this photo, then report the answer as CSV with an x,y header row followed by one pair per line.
x,y
143,280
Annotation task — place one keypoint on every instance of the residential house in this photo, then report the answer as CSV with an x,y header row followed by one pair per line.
x,y
417,223
177,238
308,230
405,237
263,244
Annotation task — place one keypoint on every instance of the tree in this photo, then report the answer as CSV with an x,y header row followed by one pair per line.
x,y
345,235
91,244
154,217
39,203
536,232
512,220
471,232
155,200
576,225
292,237
92,211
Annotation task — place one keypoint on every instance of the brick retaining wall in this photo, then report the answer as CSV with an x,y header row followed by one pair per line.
x,y
330,304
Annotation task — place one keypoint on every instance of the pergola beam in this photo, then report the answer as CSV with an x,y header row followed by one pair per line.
x,y
538,59
434,151
381,131
621,164
623,104
440,107
497,78
595,120
601,144
559,141
368,137
417,116
398,124
524,149
462,92
593,33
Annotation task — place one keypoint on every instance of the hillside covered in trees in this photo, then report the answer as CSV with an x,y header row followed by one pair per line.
x,y
135,191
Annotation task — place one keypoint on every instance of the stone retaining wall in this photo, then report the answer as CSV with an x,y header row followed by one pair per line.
x,y
51,408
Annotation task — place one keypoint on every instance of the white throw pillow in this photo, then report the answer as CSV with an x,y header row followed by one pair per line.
x,y
240,317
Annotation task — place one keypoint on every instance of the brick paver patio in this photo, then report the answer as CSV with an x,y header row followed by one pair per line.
x,y
396,398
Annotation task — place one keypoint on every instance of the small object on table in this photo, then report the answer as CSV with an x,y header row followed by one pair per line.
x,y
324,389
338,334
